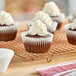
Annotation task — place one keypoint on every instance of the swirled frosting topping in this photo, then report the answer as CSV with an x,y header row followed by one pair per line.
x,y
6,18
38,27
52,9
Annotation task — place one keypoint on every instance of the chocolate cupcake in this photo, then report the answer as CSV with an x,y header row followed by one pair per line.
x,y
8,28
45,18
37,39
70,29
53,10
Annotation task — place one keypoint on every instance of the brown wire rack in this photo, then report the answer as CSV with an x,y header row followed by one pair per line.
x,y
59,45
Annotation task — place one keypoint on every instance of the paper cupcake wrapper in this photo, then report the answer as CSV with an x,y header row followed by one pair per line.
x,y
60,18
36,45
7,29
52,28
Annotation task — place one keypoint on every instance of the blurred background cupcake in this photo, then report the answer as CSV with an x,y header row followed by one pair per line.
x,y
72,17
70,30
8,27
45,18
20,11
54,12
37,39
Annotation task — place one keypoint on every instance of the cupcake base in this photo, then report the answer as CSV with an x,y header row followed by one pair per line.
x,y
71,39
8,36
37,48
71,34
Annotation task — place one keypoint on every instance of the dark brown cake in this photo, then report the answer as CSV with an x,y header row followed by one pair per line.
x,y
72,39
38,36
6,25
7,36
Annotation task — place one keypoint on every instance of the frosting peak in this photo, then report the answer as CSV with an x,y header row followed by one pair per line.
x,y
44,17
73,26
38,27
6,18
52,9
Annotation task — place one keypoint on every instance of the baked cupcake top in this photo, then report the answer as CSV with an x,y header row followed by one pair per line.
x,y
73,25
6,18
52,9
44,17
38,28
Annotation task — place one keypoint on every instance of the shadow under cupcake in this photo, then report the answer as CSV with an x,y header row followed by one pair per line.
x,y
70,30
8,28
37,39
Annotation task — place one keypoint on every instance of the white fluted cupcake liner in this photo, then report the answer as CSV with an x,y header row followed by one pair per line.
x,y
52,28
10,28
6,56
71,35
36,45
59,19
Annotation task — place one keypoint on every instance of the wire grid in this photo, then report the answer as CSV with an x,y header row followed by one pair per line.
x,y
59,45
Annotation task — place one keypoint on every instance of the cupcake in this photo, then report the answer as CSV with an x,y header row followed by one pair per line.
x,y
37,39
70,29
8,27
54,12
45,18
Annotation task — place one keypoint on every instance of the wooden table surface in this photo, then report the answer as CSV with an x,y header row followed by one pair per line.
x,y
20,67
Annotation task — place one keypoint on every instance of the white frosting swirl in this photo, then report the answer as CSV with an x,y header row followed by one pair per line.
x,y
44,17
73,26
6,18
38,27
52,9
